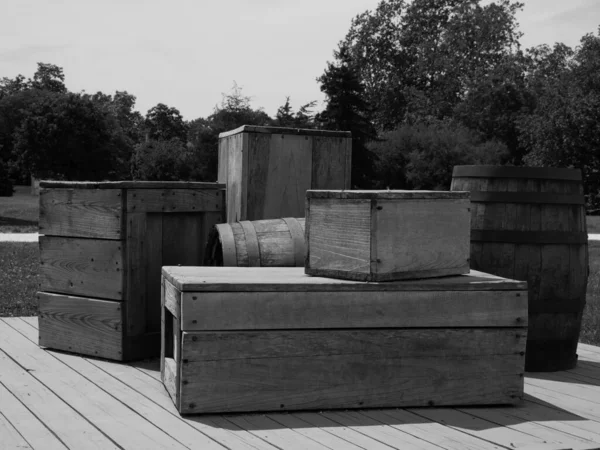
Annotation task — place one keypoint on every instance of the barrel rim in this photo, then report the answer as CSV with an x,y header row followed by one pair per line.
x,y
486,171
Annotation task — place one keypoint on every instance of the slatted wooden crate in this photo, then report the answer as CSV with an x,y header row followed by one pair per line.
x,y
267,170
258,339
387,235
101,253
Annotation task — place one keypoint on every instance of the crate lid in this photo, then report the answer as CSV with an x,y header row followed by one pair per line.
x,y
288,279
283,130
388,194
130,184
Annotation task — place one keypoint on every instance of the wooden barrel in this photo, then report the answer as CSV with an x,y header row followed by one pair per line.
x,y
529,224
258,243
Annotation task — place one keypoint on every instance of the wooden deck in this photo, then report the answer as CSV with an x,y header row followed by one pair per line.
x,y
52,400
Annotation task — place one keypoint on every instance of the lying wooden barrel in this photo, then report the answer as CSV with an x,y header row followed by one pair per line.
x,y
529,224
258,243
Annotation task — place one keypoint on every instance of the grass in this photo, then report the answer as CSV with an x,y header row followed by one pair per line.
x,y
19,266
590,327
19,213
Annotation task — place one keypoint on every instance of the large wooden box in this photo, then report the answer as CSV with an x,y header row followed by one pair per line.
x,y
101,254
387,235
268,170
257,339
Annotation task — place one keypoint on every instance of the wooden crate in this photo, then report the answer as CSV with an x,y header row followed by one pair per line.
x,y
101,254
268,170
241,339
387,235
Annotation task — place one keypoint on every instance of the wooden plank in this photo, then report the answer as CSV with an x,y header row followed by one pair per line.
x,y
582,407
316,434
329,159
43,402
24,420
386,195
281,370
172,299
284,130
432,432
256,164
177,250
293,279
11,438
131,184
88,213
481,429
81,325
31,321
287,310
171,380
339,237
379,431
85,267
174,200
154,256
422,236
275,434
136,269
236,195
118,421
348,433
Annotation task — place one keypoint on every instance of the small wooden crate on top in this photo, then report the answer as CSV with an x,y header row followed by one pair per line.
x,y
241,339
101,253
268,170
387,235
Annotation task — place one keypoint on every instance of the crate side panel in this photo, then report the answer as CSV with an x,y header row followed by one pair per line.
x,y
92,213
174,200
204,311
80,325
85,267
339,235
279,370
422,235
329,159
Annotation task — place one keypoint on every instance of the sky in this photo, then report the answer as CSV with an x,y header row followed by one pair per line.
x,y
188,53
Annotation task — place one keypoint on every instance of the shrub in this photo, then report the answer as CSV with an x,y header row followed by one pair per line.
x,y
156,160
6,185
422,156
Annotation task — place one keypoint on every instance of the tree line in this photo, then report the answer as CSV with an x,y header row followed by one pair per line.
x,y
422,85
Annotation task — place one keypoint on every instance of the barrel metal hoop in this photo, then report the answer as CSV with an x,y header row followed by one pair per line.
x,y
227,244
527,197
251,243
530,237
297,239
543,173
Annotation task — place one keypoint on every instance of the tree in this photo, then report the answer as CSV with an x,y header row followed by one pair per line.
x,y
49,77
303,118
418,59
165,123
347,110
161,161
65,136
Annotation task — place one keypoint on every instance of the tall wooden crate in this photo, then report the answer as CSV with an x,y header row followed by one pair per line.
x,y
101,254
268,170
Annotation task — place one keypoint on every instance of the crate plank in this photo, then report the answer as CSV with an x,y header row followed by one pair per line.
x,y
293,279
301,369
82,325
286,310
171,380
83,267
330,158
174,200
136,263
92,213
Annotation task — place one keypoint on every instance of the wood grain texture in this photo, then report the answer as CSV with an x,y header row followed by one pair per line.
x,y
232,148
286,176
293,279
387,239
130,184
136,268
153,249
172,299
175,200
339,237
86,267
386,309
171,380
91,213
386,195
81,325
284,130
329,160
279,370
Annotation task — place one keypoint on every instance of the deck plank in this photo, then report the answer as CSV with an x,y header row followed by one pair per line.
x,y
117,421
48,407
26,422
11,438
133,387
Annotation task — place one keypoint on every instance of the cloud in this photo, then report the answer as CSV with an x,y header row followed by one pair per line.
x,y
27,52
